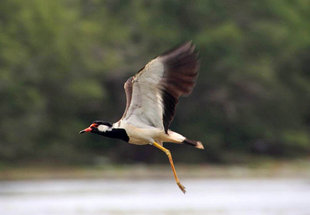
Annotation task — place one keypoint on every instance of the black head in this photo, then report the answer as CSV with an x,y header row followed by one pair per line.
x,y
98,127
106,129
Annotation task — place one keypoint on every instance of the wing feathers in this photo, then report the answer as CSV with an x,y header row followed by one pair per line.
x,y
180,65
152,94
128,92
169,103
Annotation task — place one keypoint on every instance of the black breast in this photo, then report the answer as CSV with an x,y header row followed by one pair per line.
x,y
117,133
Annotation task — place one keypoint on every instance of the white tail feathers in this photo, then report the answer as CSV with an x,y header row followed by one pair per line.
x,y
178,138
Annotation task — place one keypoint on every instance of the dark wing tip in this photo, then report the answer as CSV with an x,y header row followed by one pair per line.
x,y
181,69
181,47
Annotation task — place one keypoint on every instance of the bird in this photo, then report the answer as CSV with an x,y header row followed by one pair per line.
x,y
151,98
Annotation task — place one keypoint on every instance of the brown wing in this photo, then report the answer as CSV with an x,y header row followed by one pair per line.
x,y
154,91
180,72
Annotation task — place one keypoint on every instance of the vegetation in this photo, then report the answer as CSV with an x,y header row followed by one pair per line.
x,y
63,63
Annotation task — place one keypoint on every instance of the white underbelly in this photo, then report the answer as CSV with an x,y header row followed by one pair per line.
x,y
138,141
142,136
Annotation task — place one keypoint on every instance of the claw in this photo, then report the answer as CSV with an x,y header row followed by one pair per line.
x,y
181,187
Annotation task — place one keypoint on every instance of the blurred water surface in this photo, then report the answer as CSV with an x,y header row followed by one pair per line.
x,y
137,197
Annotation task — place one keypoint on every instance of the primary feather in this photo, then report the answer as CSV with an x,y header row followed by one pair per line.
x,y
152,94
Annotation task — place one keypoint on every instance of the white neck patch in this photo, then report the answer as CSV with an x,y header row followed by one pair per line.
x,y
103,128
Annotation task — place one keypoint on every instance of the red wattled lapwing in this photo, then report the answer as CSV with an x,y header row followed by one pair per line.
x,y
152,95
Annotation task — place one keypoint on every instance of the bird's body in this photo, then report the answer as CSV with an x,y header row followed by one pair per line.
x,y
139,135
152,95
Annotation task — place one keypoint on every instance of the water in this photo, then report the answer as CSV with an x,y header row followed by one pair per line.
x,y
160,197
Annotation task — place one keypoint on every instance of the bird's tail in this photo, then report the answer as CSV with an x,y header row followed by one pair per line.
x,y
175,137
196,144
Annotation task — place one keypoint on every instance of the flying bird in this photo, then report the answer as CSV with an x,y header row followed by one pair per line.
x,y
152,95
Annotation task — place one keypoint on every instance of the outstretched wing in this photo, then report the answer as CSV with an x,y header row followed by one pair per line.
x,y
152,94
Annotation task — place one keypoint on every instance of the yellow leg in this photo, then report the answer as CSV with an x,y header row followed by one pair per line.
x,y
172,165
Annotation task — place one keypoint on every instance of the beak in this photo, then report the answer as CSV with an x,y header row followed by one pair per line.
x,y
89,129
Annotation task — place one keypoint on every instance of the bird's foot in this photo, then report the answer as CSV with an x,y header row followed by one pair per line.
x,y
181,187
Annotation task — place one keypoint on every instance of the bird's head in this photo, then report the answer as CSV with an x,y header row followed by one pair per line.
x,y
98,127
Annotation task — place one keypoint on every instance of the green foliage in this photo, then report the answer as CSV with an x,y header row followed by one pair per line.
x,y
62,64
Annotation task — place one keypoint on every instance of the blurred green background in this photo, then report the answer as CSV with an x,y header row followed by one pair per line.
x,y
63,64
